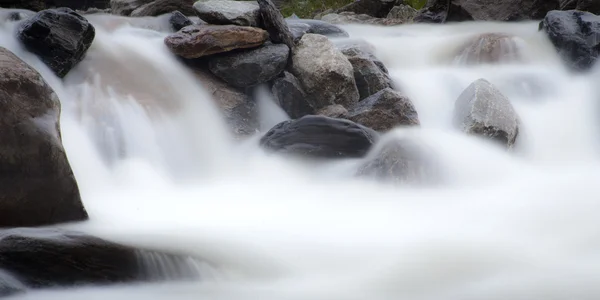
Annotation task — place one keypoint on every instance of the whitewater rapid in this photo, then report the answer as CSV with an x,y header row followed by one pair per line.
x,y
157,168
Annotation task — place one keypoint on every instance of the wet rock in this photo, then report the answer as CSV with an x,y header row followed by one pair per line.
x,y
50,258
201,40
59,37
290,95
333,111
239,110
298,30
159,7
37,186
275,24
250,67
319,27
440,11
228,12
374,8
319,137
575,35
370,74
352,18
384,110
10,285
400,161
179,20
316,61
34,5
403,12
126,7
483,110
491,48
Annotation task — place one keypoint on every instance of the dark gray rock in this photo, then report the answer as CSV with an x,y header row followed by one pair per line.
x,y
298,30
34,5
126,7
401,161
290,95
160,7
59,37
37,186
592,6
10,285
179,20
384,110
370,74
228,12
250,67
275,24
319,27
45,258
319,137
440,11
374,8
575,35
484,111
352,18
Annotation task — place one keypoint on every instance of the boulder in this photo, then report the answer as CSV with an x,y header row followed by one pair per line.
x,y
370,74
298,30
37,186
333,111
319,27
374,8
325,73
239,110
290,95
250,67
319,137
160,7
483,110
201,40
59,37
275,24
403,12
228,12
400,161
575,35
179,20
440,11
50,258
352,18
490,48
126,7
384,110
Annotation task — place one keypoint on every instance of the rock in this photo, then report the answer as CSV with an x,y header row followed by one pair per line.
x,y
59,37
201,40
298,30
319,27
403,12
490,48
374,8
384,110
333,111
12,15
483,110
38,186
319,137
239,110
370,74
50,258
91,11
250,67
275,24
35,5
400,161
316,61
575,35
126,7
439,11
352,18
228,12
79,4
160,7
179,20
592,6
10,285
290,95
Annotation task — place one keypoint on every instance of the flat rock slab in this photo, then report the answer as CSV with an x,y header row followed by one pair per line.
x,y
319,137
228,12
484,111
202,40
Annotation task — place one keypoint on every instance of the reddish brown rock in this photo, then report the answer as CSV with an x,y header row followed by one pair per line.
x,y
202,40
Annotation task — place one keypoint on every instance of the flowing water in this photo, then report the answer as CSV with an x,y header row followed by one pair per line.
x,y
157,168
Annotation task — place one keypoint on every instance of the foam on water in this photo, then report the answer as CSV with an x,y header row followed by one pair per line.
x,y
158,169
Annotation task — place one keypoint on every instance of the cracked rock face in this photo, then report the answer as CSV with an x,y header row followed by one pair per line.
x,y
484,111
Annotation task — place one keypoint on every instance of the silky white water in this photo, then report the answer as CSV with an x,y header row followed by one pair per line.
x,y
157,168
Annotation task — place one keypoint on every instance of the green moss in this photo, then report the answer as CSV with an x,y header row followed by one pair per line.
x,y
417,4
